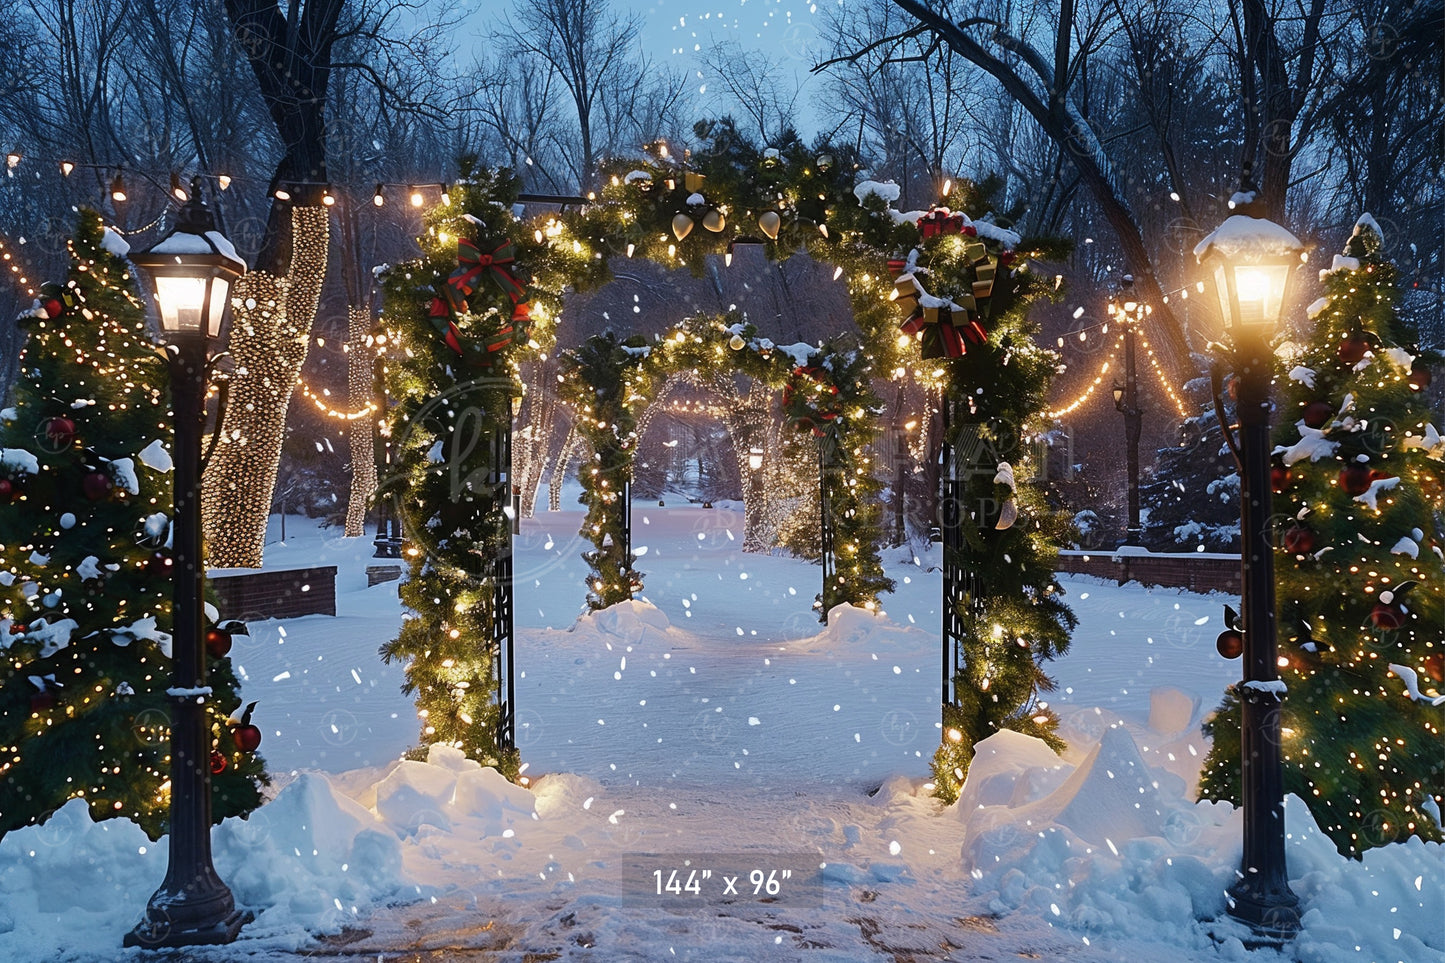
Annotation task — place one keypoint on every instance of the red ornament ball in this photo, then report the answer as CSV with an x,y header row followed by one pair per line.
x,y
59,431
1317,413
43,702
52,307
218,762
247,737
1355,478
1386,617
1352,349
1299,540
96,485
158,564
1230,644
1419,377
7,489
1279,479
1434,666
218,643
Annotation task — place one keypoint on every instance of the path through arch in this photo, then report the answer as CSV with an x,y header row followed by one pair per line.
x,y
665,691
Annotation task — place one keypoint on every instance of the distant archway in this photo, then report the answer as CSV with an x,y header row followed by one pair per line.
x,y
611,384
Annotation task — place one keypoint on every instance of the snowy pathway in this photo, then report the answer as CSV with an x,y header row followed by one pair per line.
x,y
719,723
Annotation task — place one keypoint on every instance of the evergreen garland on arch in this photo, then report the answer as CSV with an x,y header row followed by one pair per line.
x,y
964,291
608,381
453,322
677,211
605,381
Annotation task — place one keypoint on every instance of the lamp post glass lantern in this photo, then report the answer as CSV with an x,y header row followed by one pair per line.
x,y
1253,260
191,270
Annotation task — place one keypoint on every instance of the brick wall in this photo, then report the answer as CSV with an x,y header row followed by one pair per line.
x,y
285,594
1196,573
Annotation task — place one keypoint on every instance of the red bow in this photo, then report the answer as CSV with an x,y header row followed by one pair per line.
x,y
472,264
944,332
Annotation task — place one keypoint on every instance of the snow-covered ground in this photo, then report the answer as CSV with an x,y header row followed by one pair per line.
x,y
716,726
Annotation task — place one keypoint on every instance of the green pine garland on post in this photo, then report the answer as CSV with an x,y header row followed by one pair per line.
x,y
1359,573
605,380
971,277
451,324
85,586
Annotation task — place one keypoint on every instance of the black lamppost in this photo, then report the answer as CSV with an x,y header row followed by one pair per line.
x,y
1130,312
753,503
1253,260
191,271
388,545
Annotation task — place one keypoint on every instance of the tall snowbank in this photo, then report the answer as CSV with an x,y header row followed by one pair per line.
x,y
1112,849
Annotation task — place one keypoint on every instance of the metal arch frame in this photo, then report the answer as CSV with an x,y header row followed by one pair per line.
x,y
962,581
503,638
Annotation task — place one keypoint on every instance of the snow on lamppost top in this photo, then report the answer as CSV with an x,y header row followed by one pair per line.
x,y
191,271
1253,261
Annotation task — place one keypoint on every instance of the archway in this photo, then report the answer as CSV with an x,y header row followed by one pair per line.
x,y
610,383
490,289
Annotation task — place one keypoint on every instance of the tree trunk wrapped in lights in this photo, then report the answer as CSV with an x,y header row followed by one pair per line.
x,y
1359,571
532,445
361,389
270,331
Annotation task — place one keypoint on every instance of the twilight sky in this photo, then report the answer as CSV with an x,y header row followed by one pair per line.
x,y
785,31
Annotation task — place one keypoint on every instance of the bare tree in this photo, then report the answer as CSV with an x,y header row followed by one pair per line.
x,y
756,86
1044,81
908,112
587,45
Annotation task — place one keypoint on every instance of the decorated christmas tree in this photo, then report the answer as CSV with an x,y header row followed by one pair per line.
x,y
85,587
1359,570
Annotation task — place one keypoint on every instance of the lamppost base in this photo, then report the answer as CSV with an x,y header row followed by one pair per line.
x,y
156,931
1274,918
